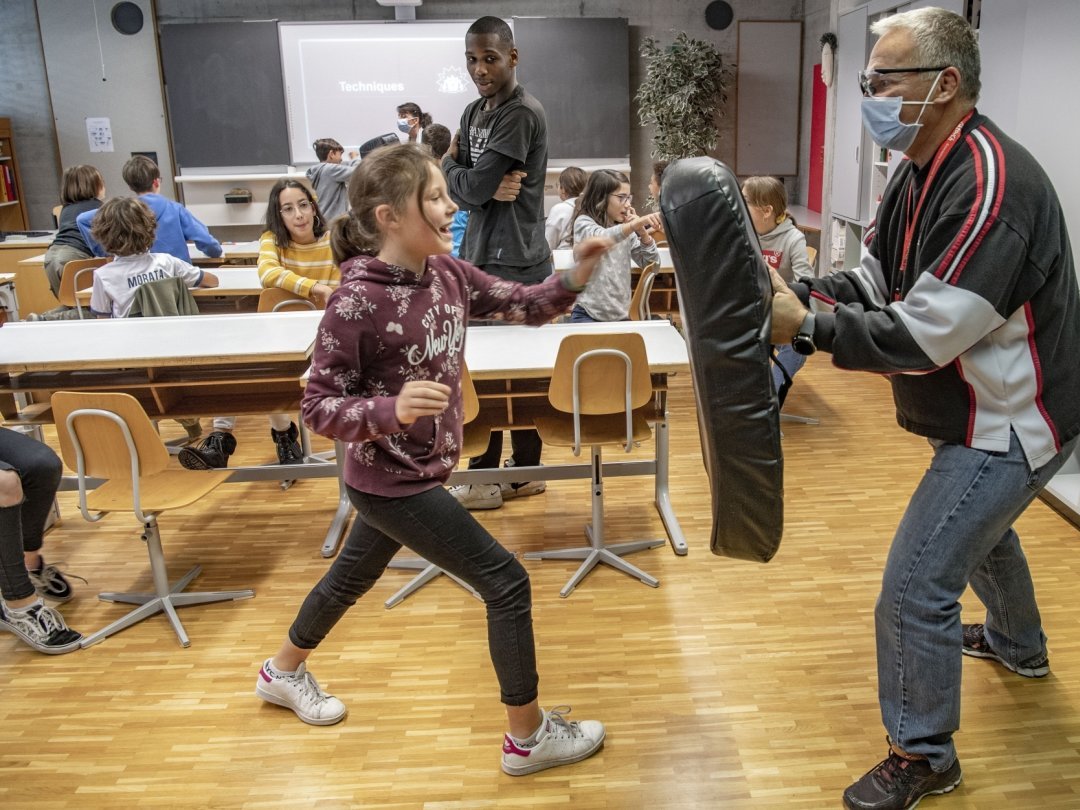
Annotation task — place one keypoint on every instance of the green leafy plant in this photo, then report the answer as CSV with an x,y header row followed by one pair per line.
x,y
685,85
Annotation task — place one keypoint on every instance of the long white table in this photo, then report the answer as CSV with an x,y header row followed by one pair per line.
x,y
256,363
236,252
511,367
175,367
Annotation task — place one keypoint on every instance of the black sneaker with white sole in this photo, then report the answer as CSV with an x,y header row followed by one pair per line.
x,y
211,454
898,783
42,627
976,646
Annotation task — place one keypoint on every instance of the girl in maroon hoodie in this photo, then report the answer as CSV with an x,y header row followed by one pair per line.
x,y
386,380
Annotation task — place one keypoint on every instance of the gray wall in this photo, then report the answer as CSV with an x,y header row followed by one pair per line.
x,y
24,98
647,18
95,71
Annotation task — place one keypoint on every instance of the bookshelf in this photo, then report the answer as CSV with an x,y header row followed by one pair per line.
x,y
12,205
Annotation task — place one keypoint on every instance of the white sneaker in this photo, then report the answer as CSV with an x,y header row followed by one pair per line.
x,y
478,496
521,489
559,743
301,693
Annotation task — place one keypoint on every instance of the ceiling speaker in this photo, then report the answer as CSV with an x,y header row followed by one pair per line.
x,y
127,18
719,15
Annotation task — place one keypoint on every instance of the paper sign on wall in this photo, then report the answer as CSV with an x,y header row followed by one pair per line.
x,y
99,132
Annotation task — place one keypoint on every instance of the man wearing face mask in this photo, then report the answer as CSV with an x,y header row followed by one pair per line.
x,y
967,298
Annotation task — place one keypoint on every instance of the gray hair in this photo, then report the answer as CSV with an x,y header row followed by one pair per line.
x,y
941,38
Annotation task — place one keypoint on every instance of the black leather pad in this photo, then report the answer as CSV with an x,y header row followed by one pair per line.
x,y
725,299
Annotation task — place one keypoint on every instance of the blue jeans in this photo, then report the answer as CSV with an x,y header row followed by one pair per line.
x,y
790,359
957,529
440,530
579,315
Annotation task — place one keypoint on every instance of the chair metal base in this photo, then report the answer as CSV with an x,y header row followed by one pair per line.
x,y
802,420
428,571
165,599
596,552
594,555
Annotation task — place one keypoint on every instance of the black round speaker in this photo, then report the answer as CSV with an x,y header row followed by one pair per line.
x,y
127,18
719,15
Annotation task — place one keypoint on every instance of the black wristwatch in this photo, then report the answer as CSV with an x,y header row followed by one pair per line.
x,y
803,342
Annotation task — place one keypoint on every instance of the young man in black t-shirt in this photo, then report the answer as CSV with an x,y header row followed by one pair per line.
x,y
495,169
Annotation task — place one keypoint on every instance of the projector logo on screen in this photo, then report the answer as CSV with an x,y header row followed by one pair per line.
x,y
453,80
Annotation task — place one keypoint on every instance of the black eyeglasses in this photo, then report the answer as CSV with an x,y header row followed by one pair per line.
x,y
870,80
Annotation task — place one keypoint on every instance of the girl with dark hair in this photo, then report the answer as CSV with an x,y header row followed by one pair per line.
x,y
412,121
604,209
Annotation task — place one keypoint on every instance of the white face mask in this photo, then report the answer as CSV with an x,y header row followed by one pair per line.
x,y
881,117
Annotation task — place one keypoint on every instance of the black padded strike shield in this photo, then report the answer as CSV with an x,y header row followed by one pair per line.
x,y
725,299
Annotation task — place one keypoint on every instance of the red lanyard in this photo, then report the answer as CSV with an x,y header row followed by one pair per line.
x,y
913,218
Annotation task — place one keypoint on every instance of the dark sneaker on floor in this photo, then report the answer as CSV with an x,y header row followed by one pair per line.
x,y
41,627
976,646
288,449
560,742
212,453
899,784
520,489
50,582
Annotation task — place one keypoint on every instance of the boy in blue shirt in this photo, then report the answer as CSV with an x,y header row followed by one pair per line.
x,y
175,224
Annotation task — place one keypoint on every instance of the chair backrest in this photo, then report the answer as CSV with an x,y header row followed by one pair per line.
x,y
811,256
275,299
601,378
104,447
639,302
56,215
78,275
470,403
166,296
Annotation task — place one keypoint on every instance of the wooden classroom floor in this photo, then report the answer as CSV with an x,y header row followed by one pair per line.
x,y
733,685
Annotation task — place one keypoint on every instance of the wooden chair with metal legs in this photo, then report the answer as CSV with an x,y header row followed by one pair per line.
x,y
476,434
602,390
109,436
78,275
639,302
275,299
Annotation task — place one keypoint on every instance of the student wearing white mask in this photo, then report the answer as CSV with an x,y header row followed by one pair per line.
x,y
411,122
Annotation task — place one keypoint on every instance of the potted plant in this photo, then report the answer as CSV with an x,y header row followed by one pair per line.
x,y
685,85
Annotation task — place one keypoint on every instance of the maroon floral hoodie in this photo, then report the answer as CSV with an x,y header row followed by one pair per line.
x,y
385,326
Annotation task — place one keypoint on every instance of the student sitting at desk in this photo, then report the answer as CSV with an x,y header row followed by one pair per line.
x,y
783,247
605,210
175,224
124,228
330,176
294,254
82,190
386,378
558,227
